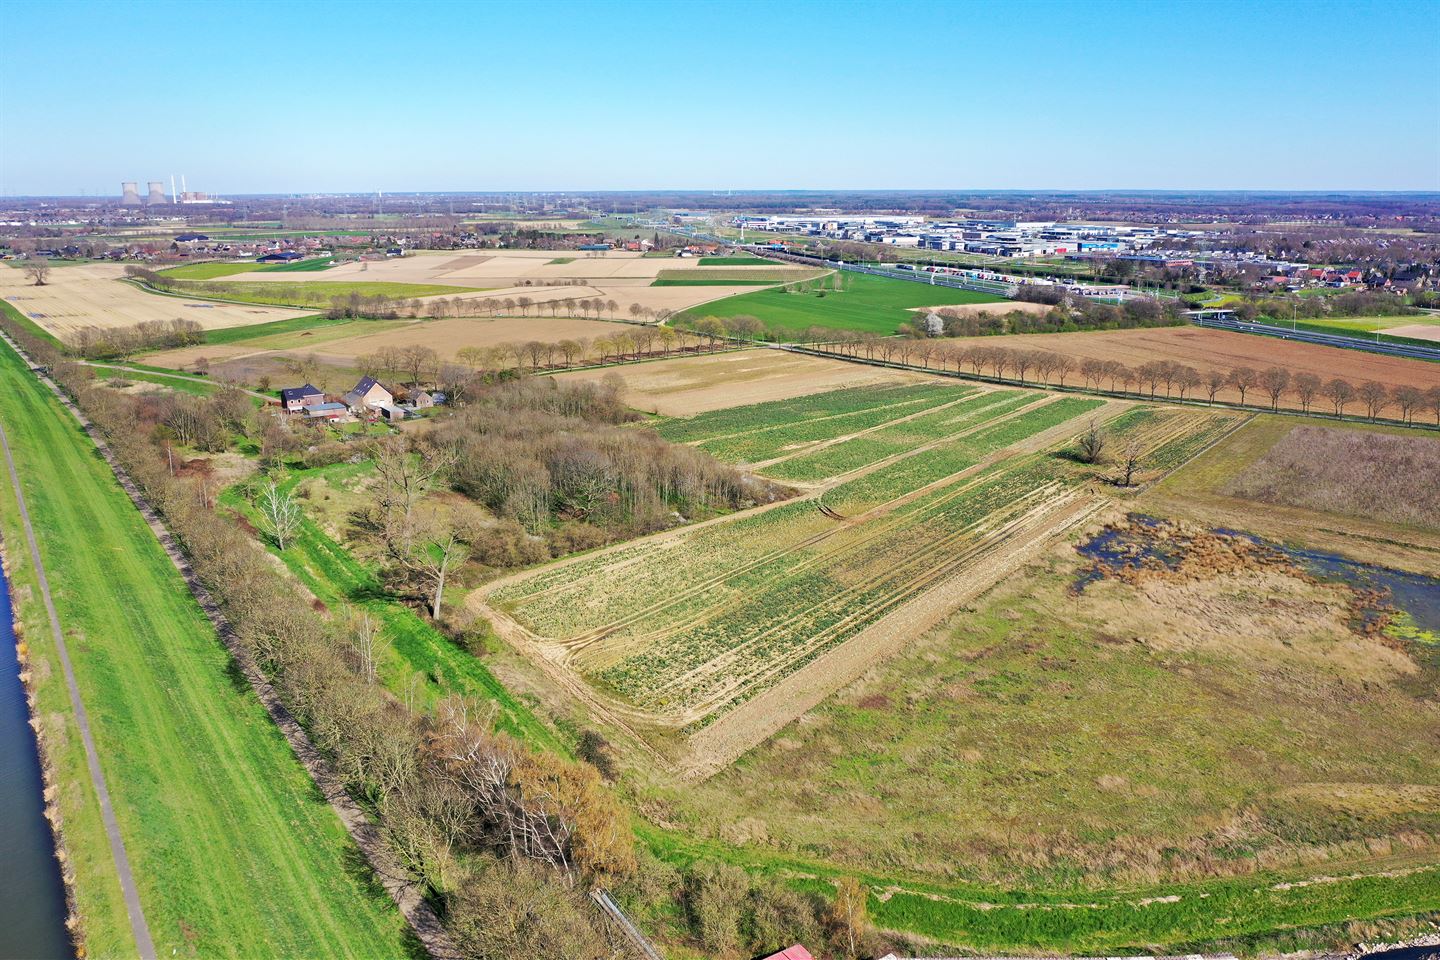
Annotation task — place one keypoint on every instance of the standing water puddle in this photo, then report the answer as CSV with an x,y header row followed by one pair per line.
x,y
1151,543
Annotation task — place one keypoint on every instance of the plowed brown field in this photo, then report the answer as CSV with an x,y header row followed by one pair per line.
x,y
1207,350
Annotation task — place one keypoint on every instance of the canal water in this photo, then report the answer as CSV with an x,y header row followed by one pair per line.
x,y
32,895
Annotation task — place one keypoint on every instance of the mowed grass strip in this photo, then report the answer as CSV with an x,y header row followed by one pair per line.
x,y
235,853
866,304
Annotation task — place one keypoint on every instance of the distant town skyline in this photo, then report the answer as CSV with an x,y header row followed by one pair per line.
x,y
656,96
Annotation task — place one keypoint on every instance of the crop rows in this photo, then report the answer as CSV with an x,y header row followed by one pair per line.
x,y
769,619
760,445
928,466
787,413
687,626
857,452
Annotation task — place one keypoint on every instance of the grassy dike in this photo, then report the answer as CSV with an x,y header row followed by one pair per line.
x,y
234,850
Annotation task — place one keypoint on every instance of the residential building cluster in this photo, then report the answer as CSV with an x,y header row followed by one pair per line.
x,y
368,400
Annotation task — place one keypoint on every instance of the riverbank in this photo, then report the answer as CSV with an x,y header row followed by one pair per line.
x,y
36,887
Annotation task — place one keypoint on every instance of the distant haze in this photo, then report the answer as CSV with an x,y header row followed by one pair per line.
x,y
271,98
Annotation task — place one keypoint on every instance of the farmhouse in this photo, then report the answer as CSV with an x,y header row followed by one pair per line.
x,y
368,392
284,256
295,399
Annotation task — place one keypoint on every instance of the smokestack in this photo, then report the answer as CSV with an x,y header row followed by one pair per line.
x,y
157,191
130,193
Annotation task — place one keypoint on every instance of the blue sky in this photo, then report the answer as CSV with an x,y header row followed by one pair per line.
x,y
307,96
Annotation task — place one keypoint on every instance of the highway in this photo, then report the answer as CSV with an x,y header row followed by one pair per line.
x,y
1326,339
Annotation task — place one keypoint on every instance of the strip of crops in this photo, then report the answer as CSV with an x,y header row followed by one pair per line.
x,y
698,623
761,445
772,618
758,416
924,468
858,452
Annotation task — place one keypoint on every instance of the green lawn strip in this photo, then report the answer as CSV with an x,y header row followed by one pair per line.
x,y
739,261
330,572
860,451
15,314
871,304
99,902
235,852
559,260
1077,920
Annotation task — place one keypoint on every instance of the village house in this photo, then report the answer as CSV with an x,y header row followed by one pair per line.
x,y
369,392
295,399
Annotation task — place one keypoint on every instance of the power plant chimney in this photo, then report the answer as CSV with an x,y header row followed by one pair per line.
x,y
157,192
130,193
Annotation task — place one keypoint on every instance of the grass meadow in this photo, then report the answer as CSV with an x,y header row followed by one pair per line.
x,y
866,304
235,852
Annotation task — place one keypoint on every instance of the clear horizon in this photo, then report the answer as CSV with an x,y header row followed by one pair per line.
x,y
566,98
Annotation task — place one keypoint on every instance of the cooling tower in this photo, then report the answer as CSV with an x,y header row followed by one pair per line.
x,y
157,191
130,193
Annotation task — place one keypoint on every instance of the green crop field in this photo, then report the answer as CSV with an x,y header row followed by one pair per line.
x,y
721,276
210,271
835,459
731,421
869,304
739,261
256,331
312,265
314,293
701,622
790,439
234,851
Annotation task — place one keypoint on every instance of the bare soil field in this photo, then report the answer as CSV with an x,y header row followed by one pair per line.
x,y
994,309
339,346
92,294
1416,331
611,275
685,386
1223,350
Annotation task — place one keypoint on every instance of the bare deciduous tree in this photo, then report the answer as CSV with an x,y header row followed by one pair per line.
x,y
280,515
38,271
